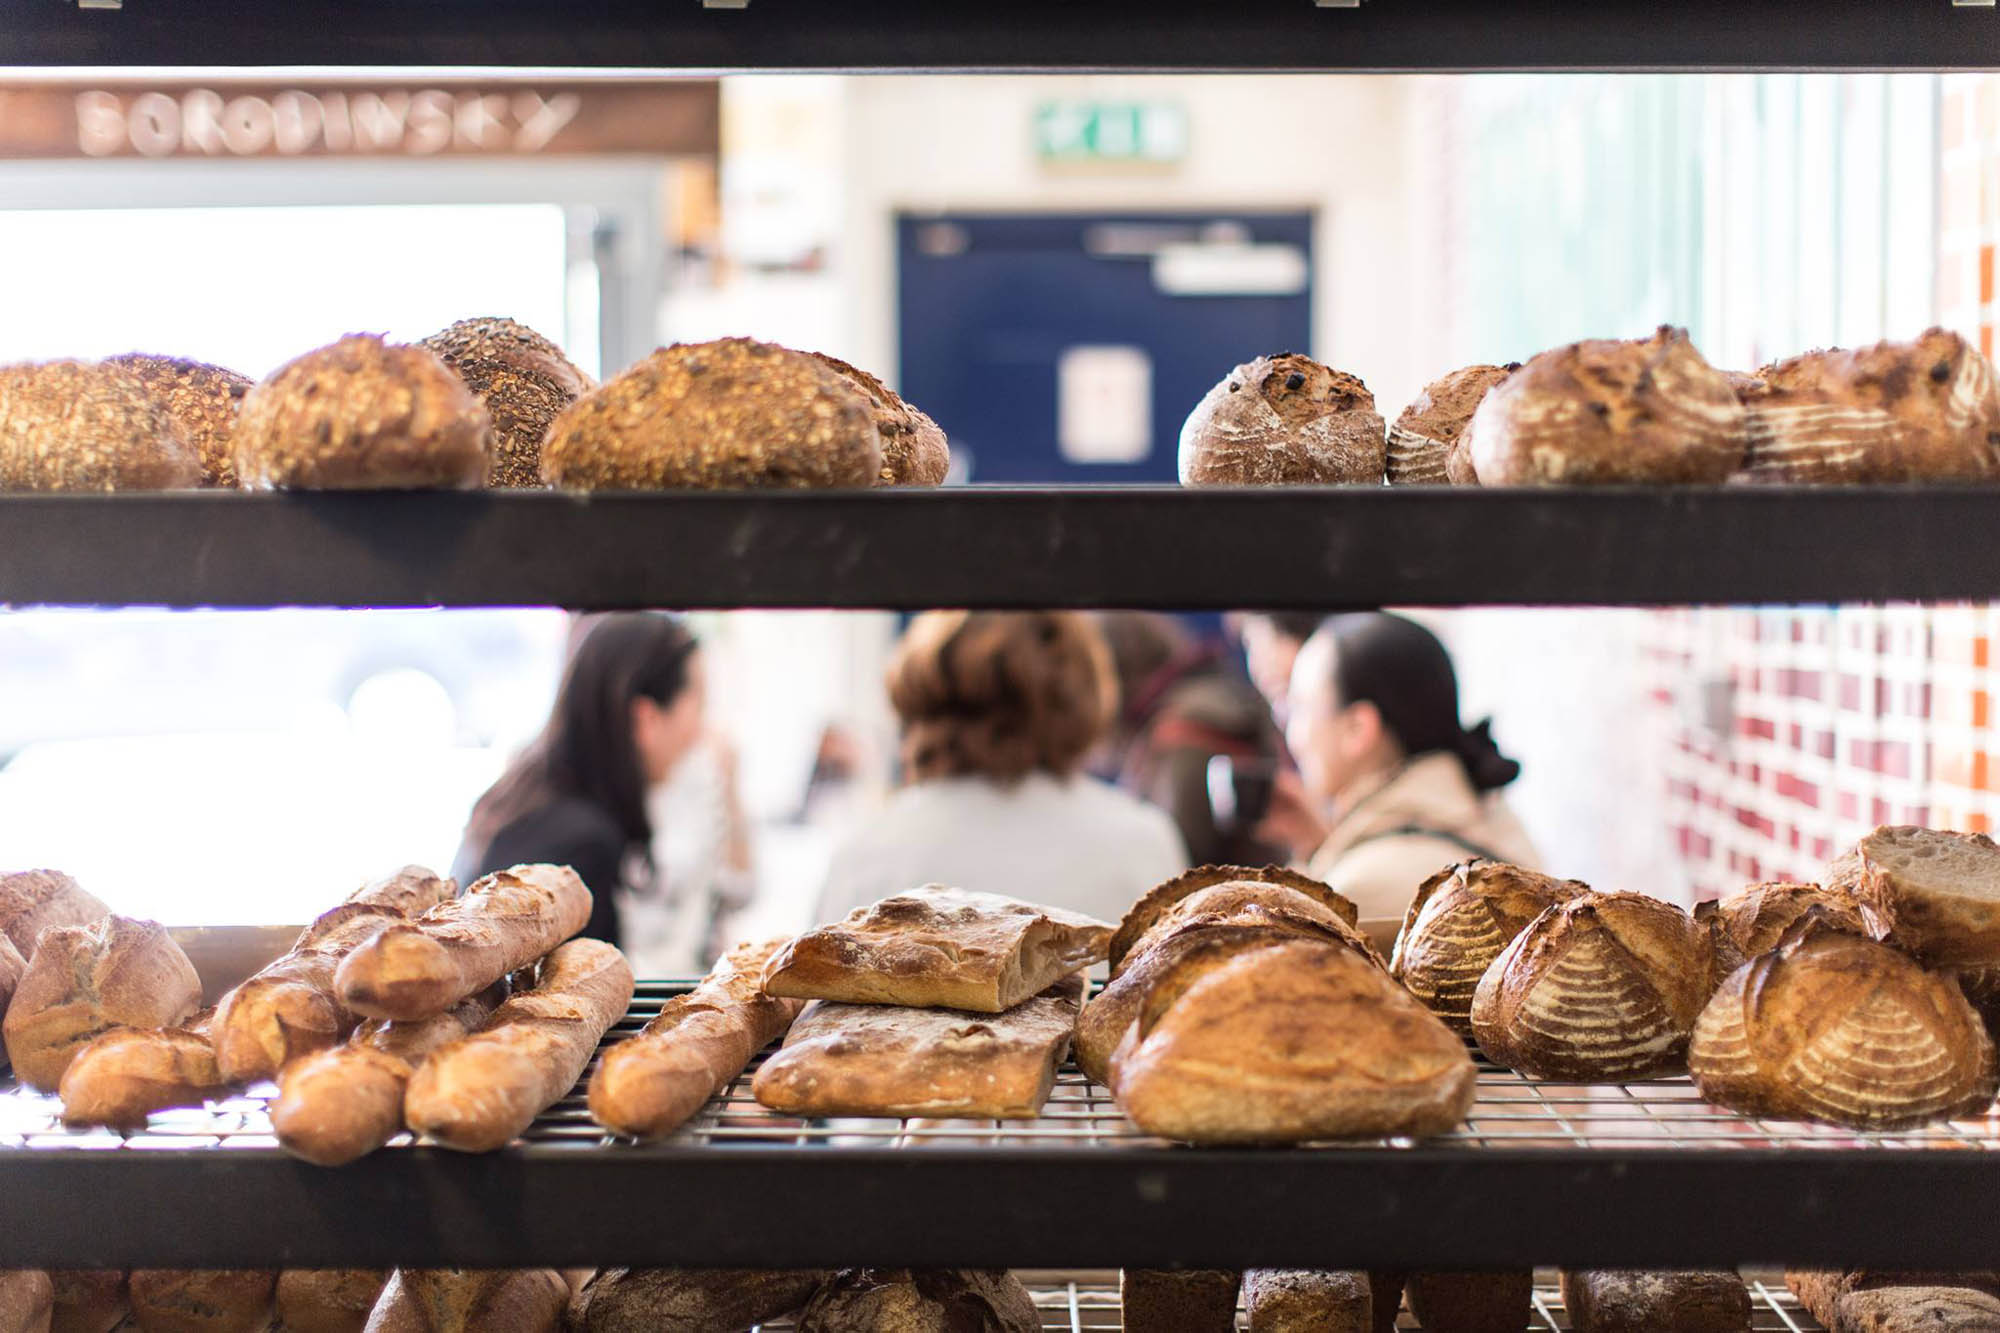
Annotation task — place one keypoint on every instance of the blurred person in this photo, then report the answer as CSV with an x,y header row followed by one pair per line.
x,y
1271,642
998,711
1375,729
674,924
629,709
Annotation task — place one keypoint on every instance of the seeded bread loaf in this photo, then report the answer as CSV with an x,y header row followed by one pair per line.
x,y
525,382
1182,1300
86,979
1286,1300
202,399
87,426
1284,420
1422,440
914,450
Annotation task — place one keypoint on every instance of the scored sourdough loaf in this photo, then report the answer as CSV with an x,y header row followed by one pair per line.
x,y
1501,1302
504,922
1460,920
203,1300
327,1300
27,1300
1932,893
1141,918
202,399
914,450
689,1300
1752,920
1833,1027
1284,420
341,1104
1425,436
1620,1301
1182,1300
938,947
1601,987
1301,1300
289,1008
719,415
922,1300
890,1060
362,414
1288,1041
480,1092
120,1077
31,901
87,426
467,1300
525,382
85,979
89,1300
651,1083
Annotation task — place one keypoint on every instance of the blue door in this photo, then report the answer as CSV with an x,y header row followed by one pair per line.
x,y
1069,347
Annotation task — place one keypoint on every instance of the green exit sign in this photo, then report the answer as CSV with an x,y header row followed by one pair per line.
x,y
1149,133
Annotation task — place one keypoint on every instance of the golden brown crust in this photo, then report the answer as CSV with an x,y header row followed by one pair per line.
x,y
88,1300
914,450
1423,438
88,426
27,1300
33,900
525,382
1144,915
1182,1300
719,415
203,1300
124,1075
202,399
1291,1300
938,947
84,980
1756,917
327,1300
464,1300
1473,1302
1620,1301
1948,916
1860,1300
1284,420
689,1300
12,965
1458,923
924,1300
362,414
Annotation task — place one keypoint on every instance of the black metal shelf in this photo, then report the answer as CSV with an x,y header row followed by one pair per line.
x,y
1021,35
1160,547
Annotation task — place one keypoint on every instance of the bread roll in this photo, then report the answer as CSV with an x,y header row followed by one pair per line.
x,y
1472,1302
1752,920
887,1060
689,1300
525,382
1284,420
503,923
88,1300
362,414
1287,1042
1833,1027
1425,435
84,979
1293,1300
203,1300
933,1300
1645,1302
203,401
1182,1300
1932,893
289,1008
1460,920
1601,987
467,1300
86,426
327,1300
1597,413
938,947
1145,915
482,1091
914,450
120,1077
27,1300
719,415
31,901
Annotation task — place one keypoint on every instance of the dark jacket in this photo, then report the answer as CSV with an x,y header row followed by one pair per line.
x,y
568,831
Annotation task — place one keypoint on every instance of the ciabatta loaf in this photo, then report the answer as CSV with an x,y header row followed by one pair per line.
x,y
124,1075
1606,1301
924,1300
1933,893
1460,920
465,1300
1143,918
1296,1300
1284,420
689,1300
1180,1300
84,980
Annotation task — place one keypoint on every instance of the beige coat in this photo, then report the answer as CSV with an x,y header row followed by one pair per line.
x,y
1375,863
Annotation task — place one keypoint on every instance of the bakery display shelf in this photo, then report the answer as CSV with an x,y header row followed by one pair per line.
x,y
1020,35
1640,1175
1002,546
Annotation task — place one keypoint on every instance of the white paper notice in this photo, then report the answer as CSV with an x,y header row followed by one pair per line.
x,y
1104,404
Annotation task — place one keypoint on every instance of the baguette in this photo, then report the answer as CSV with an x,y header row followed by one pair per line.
x,y
85,979
652,1083
327,1300
1182,1300
27,1300
289,1009
464,1300
480,1092
88,1300
338,1105
203,1300
689,1300
504,922
31,901
1284,1300
126,1074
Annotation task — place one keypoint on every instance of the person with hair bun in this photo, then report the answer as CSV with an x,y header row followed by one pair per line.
x,y
998,710
1374,725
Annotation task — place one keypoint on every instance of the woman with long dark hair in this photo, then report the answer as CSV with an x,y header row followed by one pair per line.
x,y
629,708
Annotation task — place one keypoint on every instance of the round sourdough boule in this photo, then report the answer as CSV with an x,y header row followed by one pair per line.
x,y
362,414
525,382
1931,892
1141,917
1284,420
728,415
88,426
1608,412
1426,435
914,449
202,399
1460,920
1752,920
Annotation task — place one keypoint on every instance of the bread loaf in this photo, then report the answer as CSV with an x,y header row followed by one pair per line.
x,y
1472,1302
1385,1295
341,1104
525,382
1181,1300
203,401
12,965
1645,1302
1144,916
1859,1300
1982,988
1284,420
1932,893
689,1300
1833,1027
362,414
89,1300
27,1300
466,1300
122,1076
719,415
85,979
1286,1042
31,901
1601,987
914,450
479,1093
937,1300
939,947
1426,434
1752,920
653,1082
86,426
327,1300
203,1300
1460,920
503,923
1596,413
1292,1300
289,1008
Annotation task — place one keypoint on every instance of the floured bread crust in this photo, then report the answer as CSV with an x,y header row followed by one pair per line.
x,y
1424,437
1284,420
